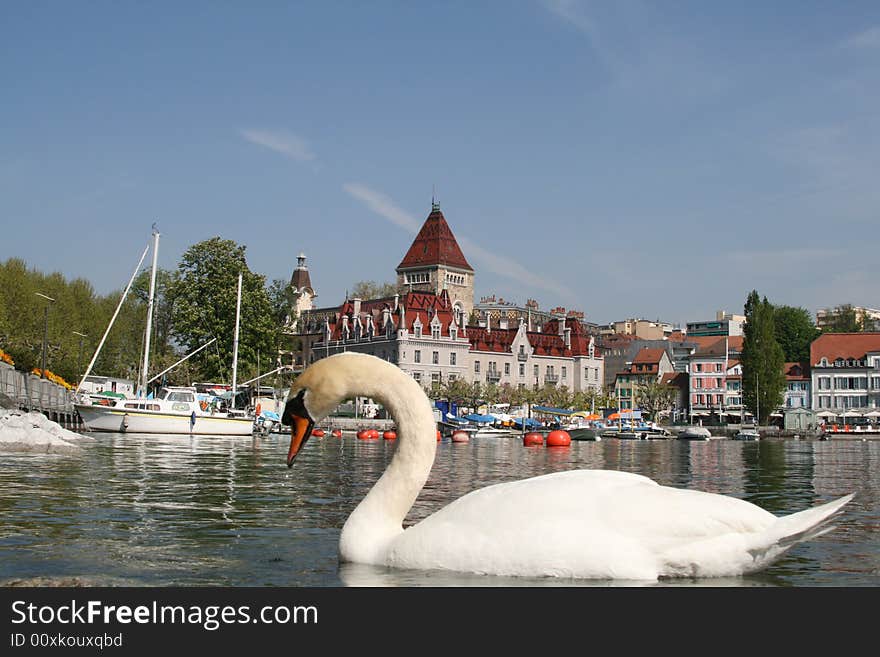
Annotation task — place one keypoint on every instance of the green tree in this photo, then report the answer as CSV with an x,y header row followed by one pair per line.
x,y
203,299
762,359
372,290
795,330
844,319
654,397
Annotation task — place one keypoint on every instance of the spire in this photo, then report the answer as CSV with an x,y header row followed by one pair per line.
x,y
434,245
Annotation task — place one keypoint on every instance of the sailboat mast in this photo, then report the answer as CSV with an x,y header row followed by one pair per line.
x,y
145,370
235,343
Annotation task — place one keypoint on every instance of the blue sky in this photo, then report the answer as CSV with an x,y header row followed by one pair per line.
x,y
623,158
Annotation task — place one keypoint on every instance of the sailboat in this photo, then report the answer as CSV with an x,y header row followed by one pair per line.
x,y
175,409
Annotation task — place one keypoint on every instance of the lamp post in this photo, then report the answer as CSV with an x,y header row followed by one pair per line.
x,y
45,332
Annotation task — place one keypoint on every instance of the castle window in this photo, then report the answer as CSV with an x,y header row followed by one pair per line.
x,y
435,332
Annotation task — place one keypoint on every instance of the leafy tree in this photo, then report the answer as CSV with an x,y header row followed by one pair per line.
x,y
762,359
795,331
372,290
844,319
654,397
203,298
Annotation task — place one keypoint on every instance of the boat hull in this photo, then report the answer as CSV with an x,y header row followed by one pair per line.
x,y
584,434
119,420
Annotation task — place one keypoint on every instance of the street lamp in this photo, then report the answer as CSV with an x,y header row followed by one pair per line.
x,y
45,332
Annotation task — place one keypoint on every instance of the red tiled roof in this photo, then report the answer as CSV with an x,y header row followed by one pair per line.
x,y
843,345
796,371
649,356
435,245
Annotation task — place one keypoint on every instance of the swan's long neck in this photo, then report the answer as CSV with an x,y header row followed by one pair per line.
x,y
378,519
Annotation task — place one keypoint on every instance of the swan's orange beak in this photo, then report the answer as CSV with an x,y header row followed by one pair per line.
x,y
300,431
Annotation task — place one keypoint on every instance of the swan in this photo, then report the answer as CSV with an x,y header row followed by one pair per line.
x,y
582,524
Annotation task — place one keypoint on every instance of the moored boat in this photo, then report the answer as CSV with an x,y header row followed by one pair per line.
x,y
694,433
176,410
747,434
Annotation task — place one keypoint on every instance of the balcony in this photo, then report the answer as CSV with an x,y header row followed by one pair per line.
x,y
551,378
493,375
522,357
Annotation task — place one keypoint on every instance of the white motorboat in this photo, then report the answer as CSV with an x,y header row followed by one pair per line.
x,y
747,434
695,433
176,410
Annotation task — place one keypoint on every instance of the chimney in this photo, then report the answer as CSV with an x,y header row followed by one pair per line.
x,y
396,300
386,317
357,307
567,338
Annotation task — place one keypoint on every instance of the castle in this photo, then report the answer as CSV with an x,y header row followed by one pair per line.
x,y
423,329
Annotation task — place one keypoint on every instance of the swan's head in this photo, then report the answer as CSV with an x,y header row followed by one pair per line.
x,y
314,395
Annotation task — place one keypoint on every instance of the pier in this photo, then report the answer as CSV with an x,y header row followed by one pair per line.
x,y
29,392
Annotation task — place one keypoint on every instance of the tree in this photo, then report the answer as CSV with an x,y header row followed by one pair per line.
x,y
372,290
762,359
795,331
655,397
843,319
203,298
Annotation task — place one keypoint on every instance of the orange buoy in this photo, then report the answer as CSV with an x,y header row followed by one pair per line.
x,y
389,435
363,434
533,439
558,438
373,434
318,433
337,433
438,435
460,437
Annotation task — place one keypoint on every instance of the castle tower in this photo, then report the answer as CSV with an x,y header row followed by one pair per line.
x,y
435,262
301,283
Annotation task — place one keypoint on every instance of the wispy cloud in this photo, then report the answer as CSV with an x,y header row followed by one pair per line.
x,y
501,265
286,143
869,38
574,12
383,206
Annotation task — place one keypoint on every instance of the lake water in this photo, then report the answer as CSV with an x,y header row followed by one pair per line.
x,y
144,510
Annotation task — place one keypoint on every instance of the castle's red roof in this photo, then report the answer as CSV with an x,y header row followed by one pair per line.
x,y
435,245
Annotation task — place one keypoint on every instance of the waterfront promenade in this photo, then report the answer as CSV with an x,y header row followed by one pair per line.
x,y
29,392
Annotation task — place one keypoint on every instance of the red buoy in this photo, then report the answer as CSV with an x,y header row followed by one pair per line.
x,y
337,433
318,433
438,435
373,434
533,439
558,438
390,435
363,434
460,437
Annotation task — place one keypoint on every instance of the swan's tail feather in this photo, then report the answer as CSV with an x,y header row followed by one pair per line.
x,y
796,528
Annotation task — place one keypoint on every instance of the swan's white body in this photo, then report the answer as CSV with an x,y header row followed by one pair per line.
x,y
597,524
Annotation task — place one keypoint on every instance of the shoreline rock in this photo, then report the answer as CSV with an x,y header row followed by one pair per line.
x,y
33,432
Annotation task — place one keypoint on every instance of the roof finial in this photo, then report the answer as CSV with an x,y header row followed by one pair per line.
x,y
434,204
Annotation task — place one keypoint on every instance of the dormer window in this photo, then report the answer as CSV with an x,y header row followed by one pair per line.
x,y
453,333
435,332
417,330
823,362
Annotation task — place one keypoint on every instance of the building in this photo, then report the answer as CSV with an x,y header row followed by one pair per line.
x,y
797,386
649,365
709,367
845,373
508,314
424,330
723,324
643,329
435,262
867,318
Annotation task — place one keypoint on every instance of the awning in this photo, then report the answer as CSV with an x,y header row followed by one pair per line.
x,y
552,411
476,417
530,422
